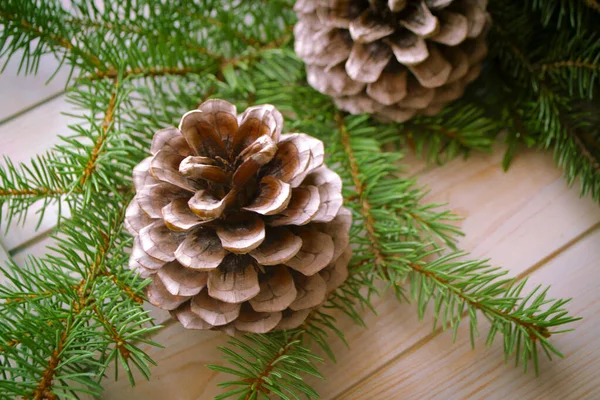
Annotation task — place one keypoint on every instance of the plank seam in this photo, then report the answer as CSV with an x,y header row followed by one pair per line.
x,y
31,107
426,339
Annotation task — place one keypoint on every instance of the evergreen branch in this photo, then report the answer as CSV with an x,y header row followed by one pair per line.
x,y
113,332
54,39
78,305
44,388
513,47
448,285
567,64
216,23
459,128
365,207
257,383
23,186
124,287
35,192
592,160
155,72
138,30
102,137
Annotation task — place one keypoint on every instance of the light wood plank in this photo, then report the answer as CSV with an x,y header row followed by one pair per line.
x,y
24,91
517,219
30,134
4,258
531,202
443,370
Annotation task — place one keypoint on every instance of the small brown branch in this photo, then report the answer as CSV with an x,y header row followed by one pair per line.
x,y
44,388
365,207
530,327
143,72
567,64
513,48
33,296
123,286
584,151
56,39
106,123
10,343
257,382
44,391
183,71
113,332
37,192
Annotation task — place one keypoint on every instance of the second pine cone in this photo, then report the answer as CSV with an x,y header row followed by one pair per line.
x,y
391,58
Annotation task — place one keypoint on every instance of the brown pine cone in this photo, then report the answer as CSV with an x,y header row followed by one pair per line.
x,y
391,58
240,227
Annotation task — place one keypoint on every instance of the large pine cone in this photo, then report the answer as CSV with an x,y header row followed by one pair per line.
x,y
391,58
240,227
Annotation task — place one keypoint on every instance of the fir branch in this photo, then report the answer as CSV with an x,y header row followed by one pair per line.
x,y
593,161
156,72
44,388
365,207
567,64
78,305
35,192
54,39
101,141
113,332
534,330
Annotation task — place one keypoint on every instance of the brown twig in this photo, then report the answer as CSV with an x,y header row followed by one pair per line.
x,y
10,343
106,123
567,64
54,38
365,206
182,71
78,305
37,192
530,327
44,388
513,48
124,287
584,150
120,342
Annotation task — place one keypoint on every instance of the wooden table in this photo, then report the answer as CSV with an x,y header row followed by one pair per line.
x,y
526,220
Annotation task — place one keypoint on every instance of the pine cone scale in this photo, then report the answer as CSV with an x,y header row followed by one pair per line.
x,y
233,282
201,250
279,246
242,235
368,28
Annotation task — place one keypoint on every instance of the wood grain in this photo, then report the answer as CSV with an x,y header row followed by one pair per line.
x,y
21,92
4,257
530,203
442,370
32,133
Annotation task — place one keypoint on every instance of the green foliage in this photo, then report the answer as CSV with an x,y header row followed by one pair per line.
x,y
547,94
539,87
139,65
